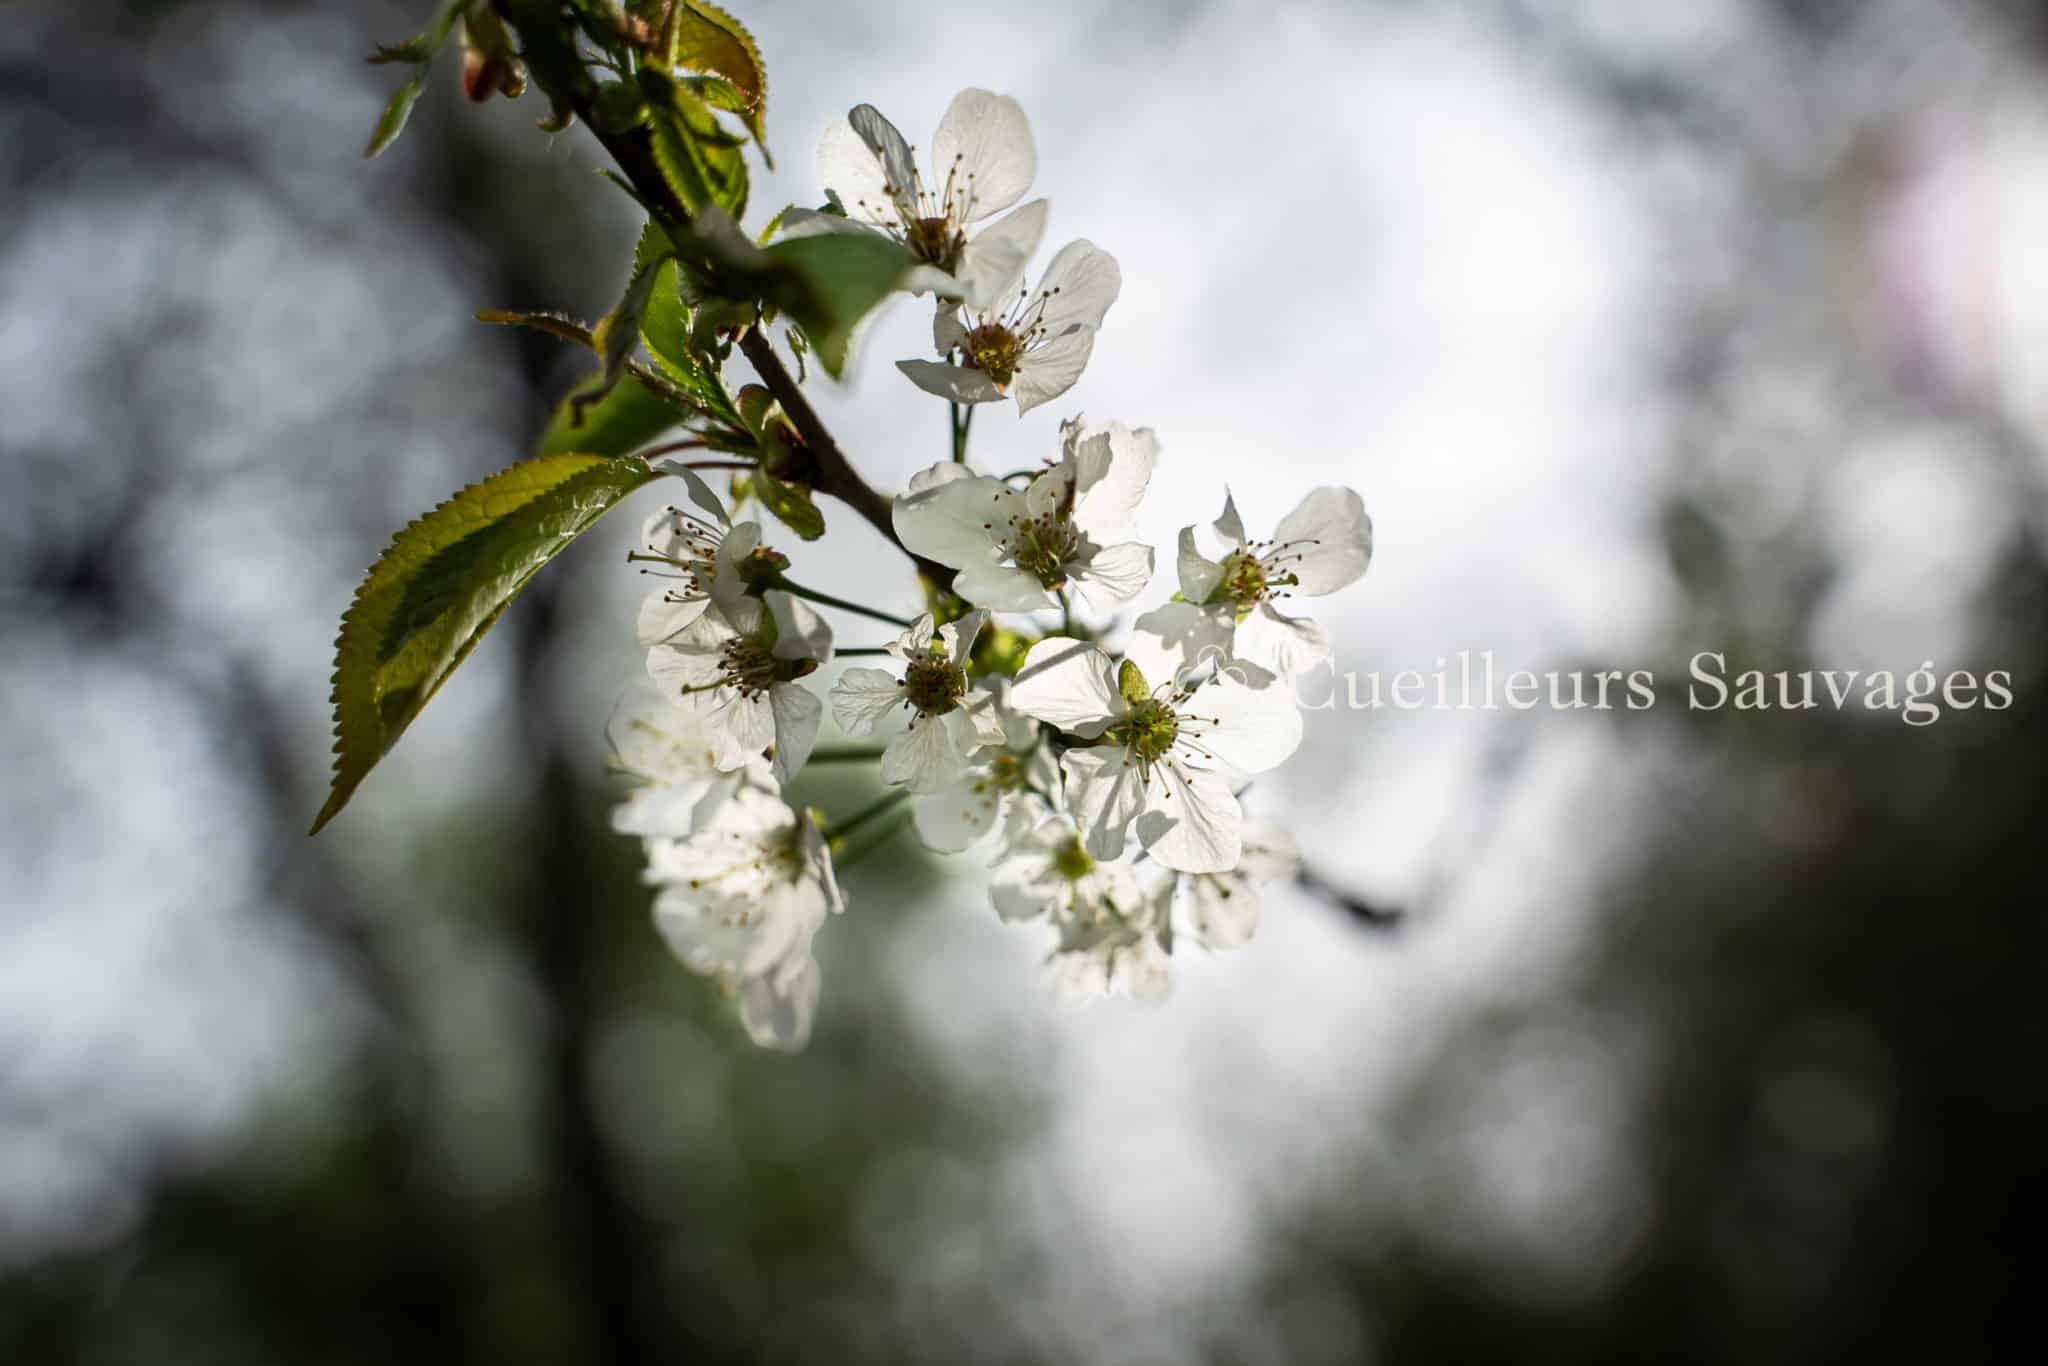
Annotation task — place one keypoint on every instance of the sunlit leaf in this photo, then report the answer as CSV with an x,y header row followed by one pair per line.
x,y
791,504
665,328
392,122
698,158
703,37
614,421
554,324
827,284
422,46
442,584
619,333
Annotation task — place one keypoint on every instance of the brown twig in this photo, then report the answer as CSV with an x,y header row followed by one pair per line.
x,y
568,84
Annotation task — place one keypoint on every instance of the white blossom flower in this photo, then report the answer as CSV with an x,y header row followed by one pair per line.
x,y
1222,909
737,668
948,720
1047,872
1228,608
741,899
706,559
777,1006
1113,956
1072,523
1163,754
983,161
1111,934
672,765
1011,784
1034,346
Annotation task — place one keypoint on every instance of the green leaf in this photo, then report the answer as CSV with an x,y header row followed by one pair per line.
x,y
791,504
612,421
665,328
700,160
442,584
392,121
619,333
422,46
703,37
828,283
554,324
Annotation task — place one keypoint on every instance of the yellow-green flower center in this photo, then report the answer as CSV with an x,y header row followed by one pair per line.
x,y
1244,579
1149,731
1071,861
751,666
934,684
1041,546
994,350
935,240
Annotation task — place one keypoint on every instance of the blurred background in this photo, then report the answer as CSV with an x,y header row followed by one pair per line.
x,y
1642,329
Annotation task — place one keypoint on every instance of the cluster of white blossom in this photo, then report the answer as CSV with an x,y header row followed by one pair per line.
x,y
1105,780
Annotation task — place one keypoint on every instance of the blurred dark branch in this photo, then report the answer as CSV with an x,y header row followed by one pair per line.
x,y
1369,915
604,1239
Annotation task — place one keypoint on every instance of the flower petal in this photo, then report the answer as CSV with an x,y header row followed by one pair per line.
x,y
665,613
1270,854
691,657
1070,684
738,726
797,712
945,472
983,719
700,492
991,268
958,636
1230,526
728,586
1114,574
1250,729
1159,666
1003,588
1104,790
947,329
1185,634
1022,891
1191,823
1079,286
1222,909
1050,369
915,639
672,809
798,222
1285,646
876,187
862,697
1329,539
959,522
777,1007
956,383
714,930
1113,465
800,633
983,156
924,758
955,817
1199,574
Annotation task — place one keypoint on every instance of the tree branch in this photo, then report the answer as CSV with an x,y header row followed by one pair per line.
x,y
548,38
1366,913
